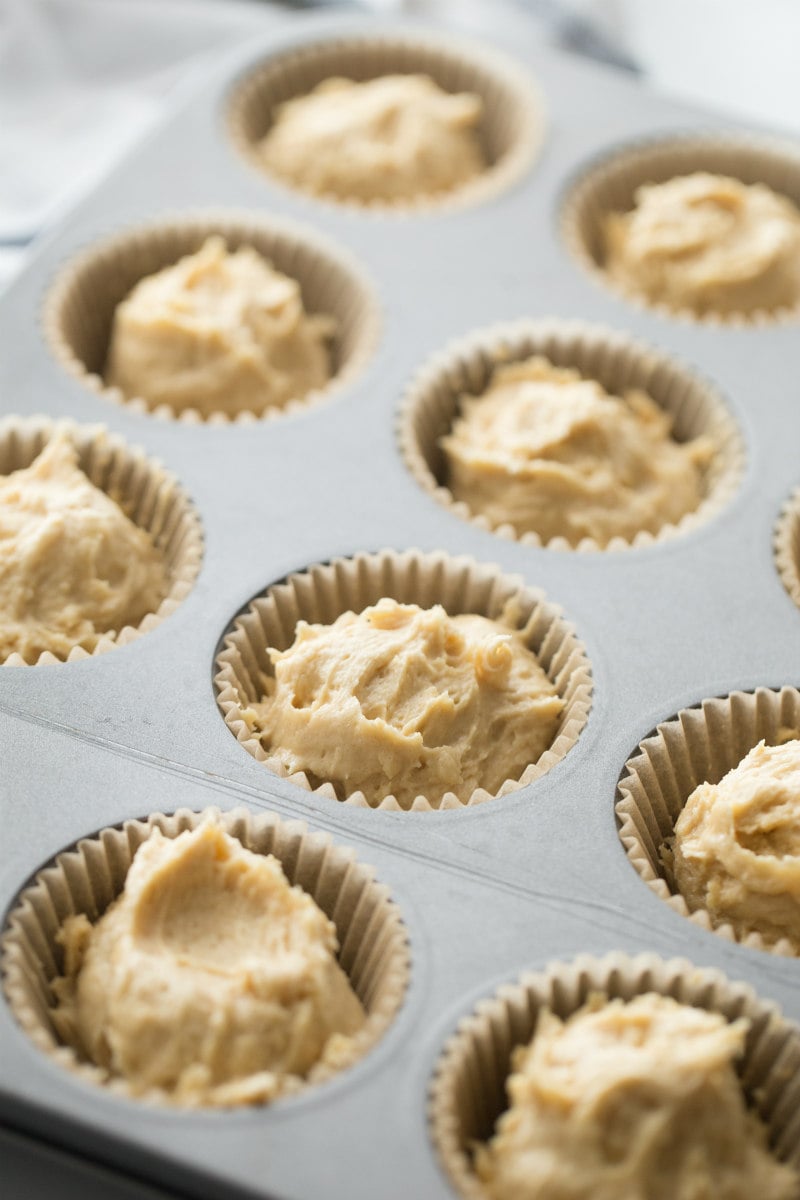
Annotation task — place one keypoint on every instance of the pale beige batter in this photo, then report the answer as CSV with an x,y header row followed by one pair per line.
x,y
72,565
552,453
407,701
218,332
395,138
636,1101
209,977
707,243
736,851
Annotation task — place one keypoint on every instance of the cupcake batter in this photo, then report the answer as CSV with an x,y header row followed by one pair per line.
x,y
218,332
407,701
552,453
636,1101
707,243
72,565
395,138
736,850
209,977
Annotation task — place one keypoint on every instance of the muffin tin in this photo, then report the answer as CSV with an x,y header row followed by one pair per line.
x,y
486,892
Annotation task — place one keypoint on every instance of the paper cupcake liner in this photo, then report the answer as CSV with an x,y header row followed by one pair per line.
x,y
372,937
618,363
511,129
787,546
609,183
79,309
148,494
697,745
468,1092
325,591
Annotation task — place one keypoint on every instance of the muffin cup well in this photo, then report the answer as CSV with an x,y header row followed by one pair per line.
x,y
697,745
79,309
372,937
148,494
465,366
608,185
511,129
325,591
468,1091
787,546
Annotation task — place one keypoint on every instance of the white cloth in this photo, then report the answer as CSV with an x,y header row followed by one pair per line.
x,y
80,80
739,57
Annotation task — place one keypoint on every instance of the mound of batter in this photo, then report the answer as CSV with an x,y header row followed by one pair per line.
x,y
552,453
72,565
707,243
218,332
209,977
407,701
395,138
636,1101
736,850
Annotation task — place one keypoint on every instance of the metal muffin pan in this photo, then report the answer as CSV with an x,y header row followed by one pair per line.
x,y
486,892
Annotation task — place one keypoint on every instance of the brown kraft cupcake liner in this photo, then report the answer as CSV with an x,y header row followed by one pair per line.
x,y
86,879
149,495
512,125
618,363
468,1091
79,308
323,592
608,185
696,746
787,546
